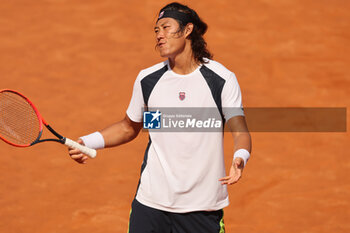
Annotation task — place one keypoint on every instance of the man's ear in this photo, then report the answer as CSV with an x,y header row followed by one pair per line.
x,y
188,29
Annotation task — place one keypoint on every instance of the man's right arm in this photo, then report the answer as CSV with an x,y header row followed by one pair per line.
x,y
121,132
117,134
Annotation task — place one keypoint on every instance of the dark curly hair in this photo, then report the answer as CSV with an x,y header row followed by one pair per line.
x,y
198,44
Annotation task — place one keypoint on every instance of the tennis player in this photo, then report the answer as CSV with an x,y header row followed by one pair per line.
x,y
183,186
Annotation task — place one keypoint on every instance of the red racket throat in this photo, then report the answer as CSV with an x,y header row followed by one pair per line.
x,y
20,121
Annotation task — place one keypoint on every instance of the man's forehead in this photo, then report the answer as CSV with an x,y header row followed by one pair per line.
x,y
164,21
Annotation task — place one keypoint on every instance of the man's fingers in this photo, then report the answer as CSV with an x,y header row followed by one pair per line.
x,y
230,179
82,159
73,151
225,178
229,182
235,173
76,154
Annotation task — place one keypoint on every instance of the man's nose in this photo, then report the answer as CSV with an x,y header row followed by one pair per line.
x,y
160,35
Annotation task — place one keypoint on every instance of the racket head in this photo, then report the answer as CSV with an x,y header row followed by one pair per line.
x,y
21,124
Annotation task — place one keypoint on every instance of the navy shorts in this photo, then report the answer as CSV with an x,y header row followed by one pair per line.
x,y
144,219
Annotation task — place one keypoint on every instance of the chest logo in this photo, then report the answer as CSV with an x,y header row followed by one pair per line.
x,y
182,95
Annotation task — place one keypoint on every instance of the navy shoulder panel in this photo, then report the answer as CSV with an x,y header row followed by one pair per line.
x,y
216,85
148,82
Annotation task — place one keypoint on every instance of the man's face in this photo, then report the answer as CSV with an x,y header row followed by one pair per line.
x,y
170,41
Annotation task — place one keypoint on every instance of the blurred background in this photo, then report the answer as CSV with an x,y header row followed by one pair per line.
x,y
77,61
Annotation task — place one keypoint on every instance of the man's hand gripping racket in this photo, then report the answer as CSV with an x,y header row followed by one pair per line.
x,y
22,125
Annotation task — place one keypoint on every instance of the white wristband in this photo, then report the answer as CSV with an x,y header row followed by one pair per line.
x,y
242,153
94,140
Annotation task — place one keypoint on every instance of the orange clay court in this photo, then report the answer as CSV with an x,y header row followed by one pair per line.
x,y
77,61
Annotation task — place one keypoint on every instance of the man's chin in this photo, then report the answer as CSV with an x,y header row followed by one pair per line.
x,y
165,55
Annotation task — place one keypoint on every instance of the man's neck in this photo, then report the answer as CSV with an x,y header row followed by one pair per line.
x,y
183,63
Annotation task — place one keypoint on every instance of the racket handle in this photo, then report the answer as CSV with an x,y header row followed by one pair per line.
x,y
86,150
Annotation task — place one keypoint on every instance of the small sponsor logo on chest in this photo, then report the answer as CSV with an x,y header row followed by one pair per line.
x,y
182,95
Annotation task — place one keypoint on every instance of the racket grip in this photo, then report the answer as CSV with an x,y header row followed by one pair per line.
x,y
86,150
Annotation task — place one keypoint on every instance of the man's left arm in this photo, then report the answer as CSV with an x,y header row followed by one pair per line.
x,y
242,149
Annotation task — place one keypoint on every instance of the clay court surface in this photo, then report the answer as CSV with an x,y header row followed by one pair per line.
x,y
77,61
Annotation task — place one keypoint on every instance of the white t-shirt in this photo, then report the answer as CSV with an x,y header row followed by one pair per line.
x,y
181,170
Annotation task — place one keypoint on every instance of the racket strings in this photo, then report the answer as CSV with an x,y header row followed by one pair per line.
x,y
19,123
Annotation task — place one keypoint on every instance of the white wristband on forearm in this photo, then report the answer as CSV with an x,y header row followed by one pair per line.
x,y
94,140
242,153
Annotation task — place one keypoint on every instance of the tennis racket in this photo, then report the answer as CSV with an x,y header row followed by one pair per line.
x,y
22,125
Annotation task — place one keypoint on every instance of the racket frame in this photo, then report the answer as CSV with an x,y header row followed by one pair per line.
x,y
42,122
